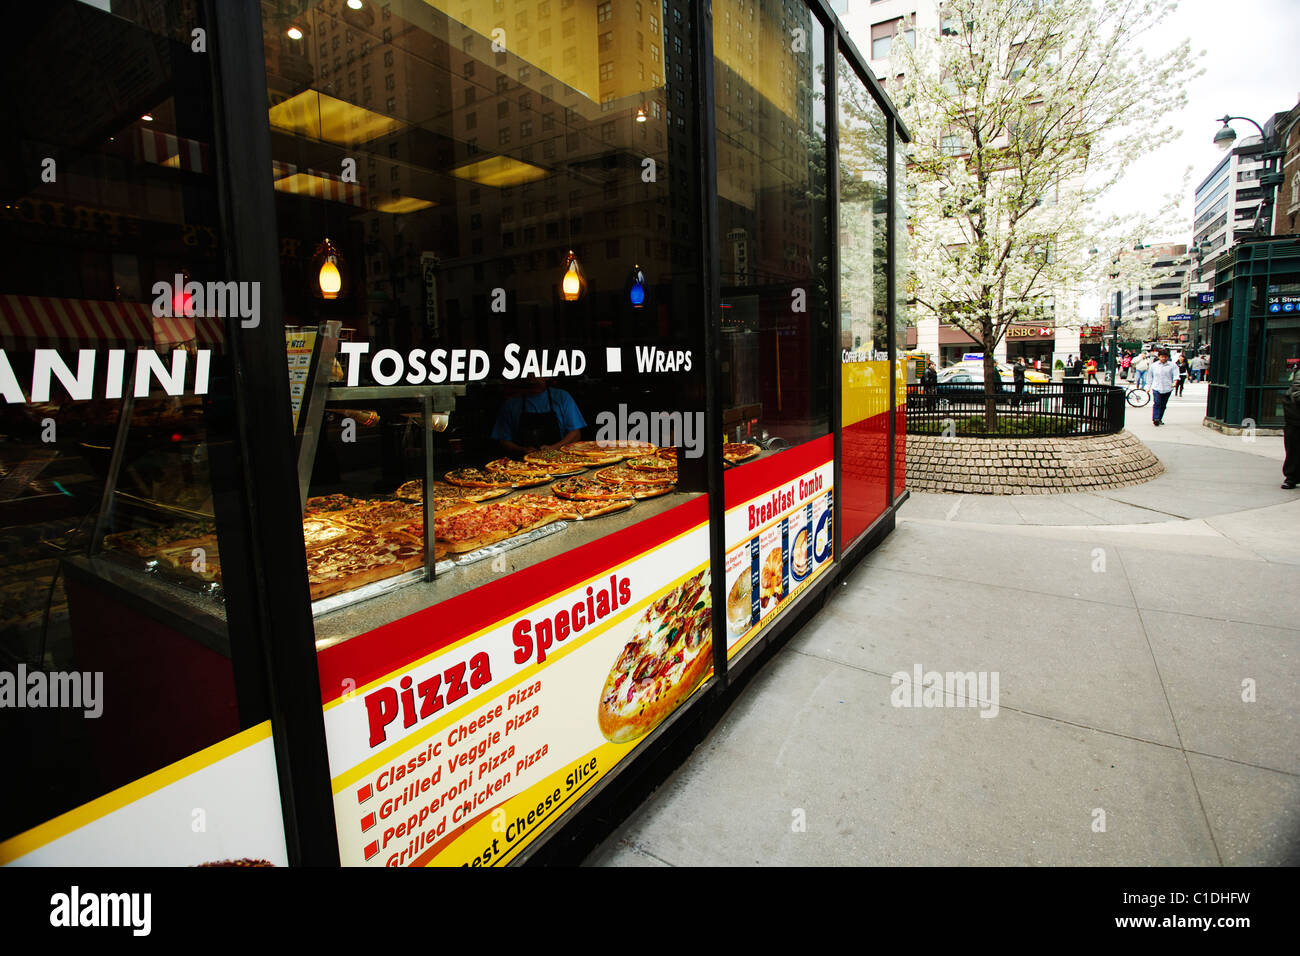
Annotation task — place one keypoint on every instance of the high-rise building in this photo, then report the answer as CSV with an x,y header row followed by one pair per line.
x,y
1162,293
1229,200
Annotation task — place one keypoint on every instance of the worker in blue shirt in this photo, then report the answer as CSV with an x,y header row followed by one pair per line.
x,y
541,418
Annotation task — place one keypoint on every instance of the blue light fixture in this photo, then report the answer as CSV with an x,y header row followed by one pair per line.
x,y
637,293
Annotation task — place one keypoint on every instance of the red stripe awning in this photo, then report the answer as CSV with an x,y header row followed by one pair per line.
x,y
32,321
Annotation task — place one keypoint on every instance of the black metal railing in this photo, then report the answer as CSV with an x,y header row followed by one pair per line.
x,y
1040,411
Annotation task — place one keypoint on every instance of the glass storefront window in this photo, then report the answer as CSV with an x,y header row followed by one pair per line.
x,y
121,519
770,112
864,262
518,246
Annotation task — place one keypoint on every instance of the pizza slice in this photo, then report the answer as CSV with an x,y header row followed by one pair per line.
x,y
377,515
330,504
198,558
594,509
671,651
361,559
321,531
565,509
475,528
736,452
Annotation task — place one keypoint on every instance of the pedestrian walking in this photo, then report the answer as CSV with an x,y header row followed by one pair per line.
x,y
1092,371
1291,433
1163,374
1124,364
1143,366
1182,375
1018,377
930,385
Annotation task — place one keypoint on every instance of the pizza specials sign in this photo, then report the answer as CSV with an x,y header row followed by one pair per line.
x,y
466,755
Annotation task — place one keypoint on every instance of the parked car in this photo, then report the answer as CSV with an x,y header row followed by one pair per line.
x,y
1006,370
964,385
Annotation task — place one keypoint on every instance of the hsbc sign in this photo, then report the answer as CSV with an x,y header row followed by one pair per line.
x,y
1031,331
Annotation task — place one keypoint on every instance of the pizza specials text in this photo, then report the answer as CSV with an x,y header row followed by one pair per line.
x,y
598,604
783,499
415,702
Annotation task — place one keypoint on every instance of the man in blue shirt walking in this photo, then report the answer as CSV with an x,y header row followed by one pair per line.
x,y
1163,375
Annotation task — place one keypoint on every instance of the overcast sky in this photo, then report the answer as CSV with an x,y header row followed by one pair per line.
x,y
1250,70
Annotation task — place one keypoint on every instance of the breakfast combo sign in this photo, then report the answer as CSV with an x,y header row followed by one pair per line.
x,y
778,541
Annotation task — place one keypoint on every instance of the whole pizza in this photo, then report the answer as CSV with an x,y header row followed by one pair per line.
x,y
669,654
622,475
478,478
738,451
518,471
611,449
587,489
561,461
664,460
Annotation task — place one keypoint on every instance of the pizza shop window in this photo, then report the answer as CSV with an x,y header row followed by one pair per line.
x,y
775,341
478,231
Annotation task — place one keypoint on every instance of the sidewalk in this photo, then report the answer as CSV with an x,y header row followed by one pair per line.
x,y
1121,626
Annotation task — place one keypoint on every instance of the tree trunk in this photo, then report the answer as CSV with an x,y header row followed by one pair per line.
x,y
992,380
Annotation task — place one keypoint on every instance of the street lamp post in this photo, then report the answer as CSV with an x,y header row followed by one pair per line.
x,y
1237,346
1114,336
1268,180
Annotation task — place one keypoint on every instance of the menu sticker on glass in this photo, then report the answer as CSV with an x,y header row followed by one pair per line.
x,y
299,347
784,536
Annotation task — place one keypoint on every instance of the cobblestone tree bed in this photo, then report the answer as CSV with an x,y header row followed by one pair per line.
x,y
1028,466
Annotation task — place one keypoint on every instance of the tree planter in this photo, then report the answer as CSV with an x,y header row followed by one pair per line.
x,y
1028,466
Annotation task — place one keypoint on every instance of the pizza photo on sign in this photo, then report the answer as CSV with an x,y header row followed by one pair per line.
x,y
670,653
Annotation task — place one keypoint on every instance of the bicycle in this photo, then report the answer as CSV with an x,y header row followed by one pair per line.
x,y
1137,397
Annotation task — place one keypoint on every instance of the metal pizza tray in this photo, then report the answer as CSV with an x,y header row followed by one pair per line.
x,y
509,544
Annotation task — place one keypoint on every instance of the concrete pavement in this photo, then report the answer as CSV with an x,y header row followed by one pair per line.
x,y
1146,644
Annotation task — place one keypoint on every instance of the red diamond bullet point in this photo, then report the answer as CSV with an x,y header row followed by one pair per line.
x,y
367,822
364,794
372,851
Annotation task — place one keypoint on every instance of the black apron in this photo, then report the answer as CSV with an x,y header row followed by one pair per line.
x,y
538,428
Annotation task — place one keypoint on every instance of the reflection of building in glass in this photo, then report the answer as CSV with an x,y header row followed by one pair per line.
x,y
490,139
769,115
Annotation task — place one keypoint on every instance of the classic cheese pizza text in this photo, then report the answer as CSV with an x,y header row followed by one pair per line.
x,y
599,603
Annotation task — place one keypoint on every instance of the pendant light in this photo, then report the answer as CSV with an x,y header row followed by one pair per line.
x,y
636,294
574,283
329,270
